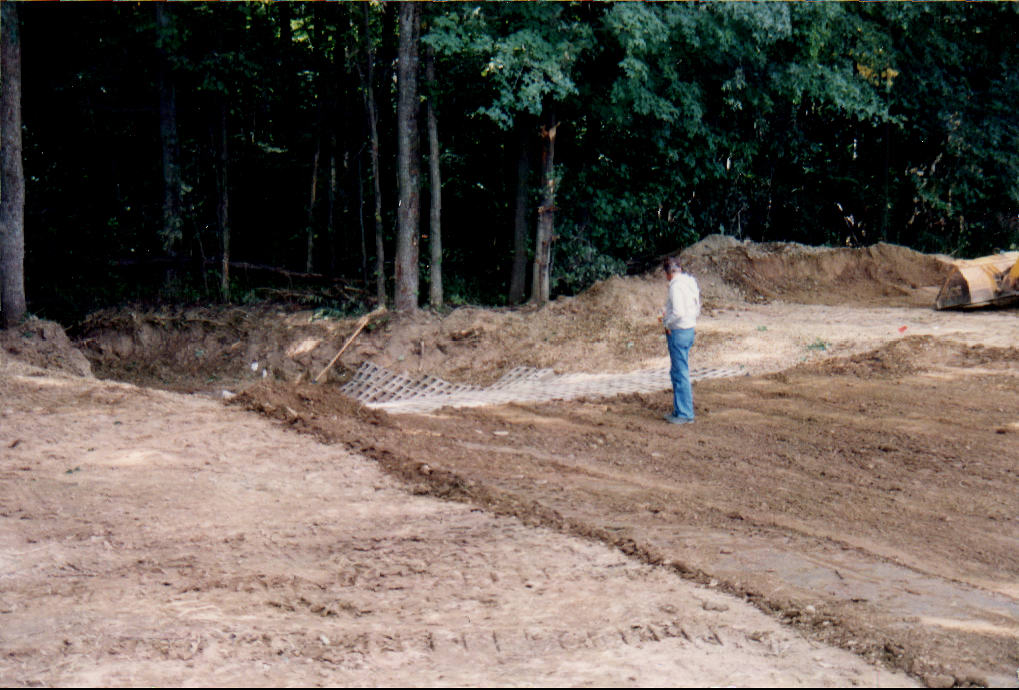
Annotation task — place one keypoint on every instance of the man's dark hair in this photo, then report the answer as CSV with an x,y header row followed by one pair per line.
x,y
672,264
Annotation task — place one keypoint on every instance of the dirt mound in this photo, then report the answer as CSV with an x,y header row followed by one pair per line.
x,y
712,244
304,404
44,344
911,355
975,355
883,274
612,326
209,347
702,260
895,359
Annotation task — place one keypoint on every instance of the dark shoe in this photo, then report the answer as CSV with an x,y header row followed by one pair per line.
x,y
673,419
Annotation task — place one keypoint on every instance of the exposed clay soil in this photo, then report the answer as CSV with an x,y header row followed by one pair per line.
x,y
800,489
845,513
43,344
611,327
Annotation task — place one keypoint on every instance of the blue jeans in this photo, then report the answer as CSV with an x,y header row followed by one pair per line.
x,y
680,341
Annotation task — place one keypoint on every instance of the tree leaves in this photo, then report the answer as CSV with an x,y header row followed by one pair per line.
x,y
524,53
773,121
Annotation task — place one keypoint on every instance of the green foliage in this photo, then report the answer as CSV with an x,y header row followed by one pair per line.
x,y
577,263
525,53
461,291
826,123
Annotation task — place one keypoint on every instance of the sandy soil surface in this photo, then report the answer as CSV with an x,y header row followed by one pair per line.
x,y
152,538
868,500
844,513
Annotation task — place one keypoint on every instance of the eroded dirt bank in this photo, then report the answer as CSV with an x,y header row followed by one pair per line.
x,y
613,326
869,500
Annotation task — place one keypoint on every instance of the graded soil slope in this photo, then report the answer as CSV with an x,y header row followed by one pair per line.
x,y
870,500
156,539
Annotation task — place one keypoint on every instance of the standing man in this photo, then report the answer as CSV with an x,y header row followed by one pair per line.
x,y
679,318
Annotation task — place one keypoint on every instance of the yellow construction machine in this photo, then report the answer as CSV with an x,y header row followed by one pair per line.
x,y
989,280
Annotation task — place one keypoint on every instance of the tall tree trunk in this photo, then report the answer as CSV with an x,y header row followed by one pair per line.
x,y
331,205
172,225
353,133
360,219
347,129
408,167
308,264
886,202
321,85
373,123
518,277
223,198
283,119
12,174
546,212
435,180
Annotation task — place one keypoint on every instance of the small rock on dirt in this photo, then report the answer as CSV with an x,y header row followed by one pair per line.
x,y
714,606
939,680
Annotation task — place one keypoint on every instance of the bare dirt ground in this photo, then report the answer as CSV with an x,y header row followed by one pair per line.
x,y
845,514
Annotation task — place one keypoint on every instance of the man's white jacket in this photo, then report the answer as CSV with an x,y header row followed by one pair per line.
x,y
684,303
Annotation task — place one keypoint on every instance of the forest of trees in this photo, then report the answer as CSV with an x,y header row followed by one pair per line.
x,y
491,153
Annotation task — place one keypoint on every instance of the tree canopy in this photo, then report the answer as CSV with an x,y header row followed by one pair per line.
x,y
824,123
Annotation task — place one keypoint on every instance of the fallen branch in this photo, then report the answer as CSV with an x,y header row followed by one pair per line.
x,y
360,327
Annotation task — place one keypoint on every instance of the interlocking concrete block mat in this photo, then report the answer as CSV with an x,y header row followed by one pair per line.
x,y
381,388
